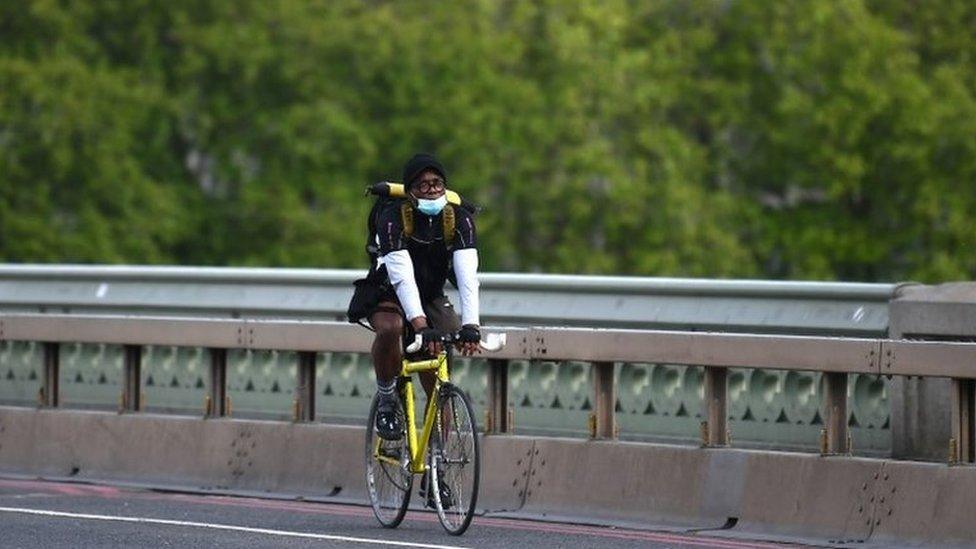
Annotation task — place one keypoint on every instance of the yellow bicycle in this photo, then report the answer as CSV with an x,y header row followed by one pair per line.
x,y
446,451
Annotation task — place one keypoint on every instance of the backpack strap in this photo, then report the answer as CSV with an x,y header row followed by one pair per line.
x,y
448,220
406,216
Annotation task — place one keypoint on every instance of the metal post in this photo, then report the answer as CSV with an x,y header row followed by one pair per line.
x,y
963,396
835,401
497,417
216,404
305,389
50,396
604,401
716,406
132,375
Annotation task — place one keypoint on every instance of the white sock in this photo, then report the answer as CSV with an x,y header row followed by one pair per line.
x,y
388,388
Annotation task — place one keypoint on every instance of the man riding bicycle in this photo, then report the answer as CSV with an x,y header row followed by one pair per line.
x,y
414,260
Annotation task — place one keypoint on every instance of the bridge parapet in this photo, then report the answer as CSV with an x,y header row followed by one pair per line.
x,y
835,358
658,397
928,412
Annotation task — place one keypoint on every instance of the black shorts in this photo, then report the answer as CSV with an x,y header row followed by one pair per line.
x,y
374,293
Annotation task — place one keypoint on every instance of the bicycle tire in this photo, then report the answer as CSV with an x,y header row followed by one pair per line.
x,y
455,459
388,486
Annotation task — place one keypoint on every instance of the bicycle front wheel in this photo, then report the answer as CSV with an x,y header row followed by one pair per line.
x,y
388,479
455,460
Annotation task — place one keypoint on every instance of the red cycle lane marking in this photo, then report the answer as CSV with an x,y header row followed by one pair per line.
x,y
61,487
319,508
365,512
512,524
598,531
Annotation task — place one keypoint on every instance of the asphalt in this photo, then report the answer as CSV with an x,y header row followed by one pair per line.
x,y
37,513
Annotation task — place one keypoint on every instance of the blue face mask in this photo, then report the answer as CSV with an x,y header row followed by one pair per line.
x,y
431,207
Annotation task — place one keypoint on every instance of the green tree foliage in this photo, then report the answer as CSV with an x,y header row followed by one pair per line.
x,y
794,139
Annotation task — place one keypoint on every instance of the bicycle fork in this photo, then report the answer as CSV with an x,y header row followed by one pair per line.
x,y
419,444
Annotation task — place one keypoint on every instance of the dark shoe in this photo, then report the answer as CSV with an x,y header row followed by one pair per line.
x,y
447,499
388,425
390,452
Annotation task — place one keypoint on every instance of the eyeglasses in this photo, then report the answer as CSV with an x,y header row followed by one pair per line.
x,y
428,185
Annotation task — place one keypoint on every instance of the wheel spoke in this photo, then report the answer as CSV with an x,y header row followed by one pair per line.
x,y
388,481
456,462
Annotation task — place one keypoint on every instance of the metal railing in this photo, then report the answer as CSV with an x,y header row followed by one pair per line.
x,y
836,357
771,408
508,299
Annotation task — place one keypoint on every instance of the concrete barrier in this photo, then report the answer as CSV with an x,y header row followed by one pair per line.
x,y
226,454
738,493
619,481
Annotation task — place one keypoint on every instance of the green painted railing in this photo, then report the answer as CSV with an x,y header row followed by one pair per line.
x,y
767,408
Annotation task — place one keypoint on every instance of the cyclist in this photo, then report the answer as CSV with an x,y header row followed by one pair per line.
x,y
407,281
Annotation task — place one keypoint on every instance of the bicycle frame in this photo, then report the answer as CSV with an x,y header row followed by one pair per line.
x,y
447,444
418,448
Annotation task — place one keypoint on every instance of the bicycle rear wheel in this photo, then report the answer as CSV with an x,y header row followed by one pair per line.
x,y
388,479
455,460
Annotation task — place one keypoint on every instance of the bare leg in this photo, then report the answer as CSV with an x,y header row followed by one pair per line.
x,y
427,380
386,349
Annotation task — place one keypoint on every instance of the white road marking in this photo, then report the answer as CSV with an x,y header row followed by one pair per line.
x,y
225,527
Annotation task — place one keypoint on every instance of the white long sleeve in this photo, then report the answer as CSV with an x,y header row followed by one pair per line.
x,y
466,271
400,269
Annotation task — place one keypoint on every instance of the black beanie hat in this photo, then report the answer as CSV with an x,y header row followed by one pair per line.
x,y
416,165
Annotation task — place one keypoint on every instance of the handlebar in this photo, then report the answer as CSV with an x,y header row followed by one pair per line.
x,y
491,343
